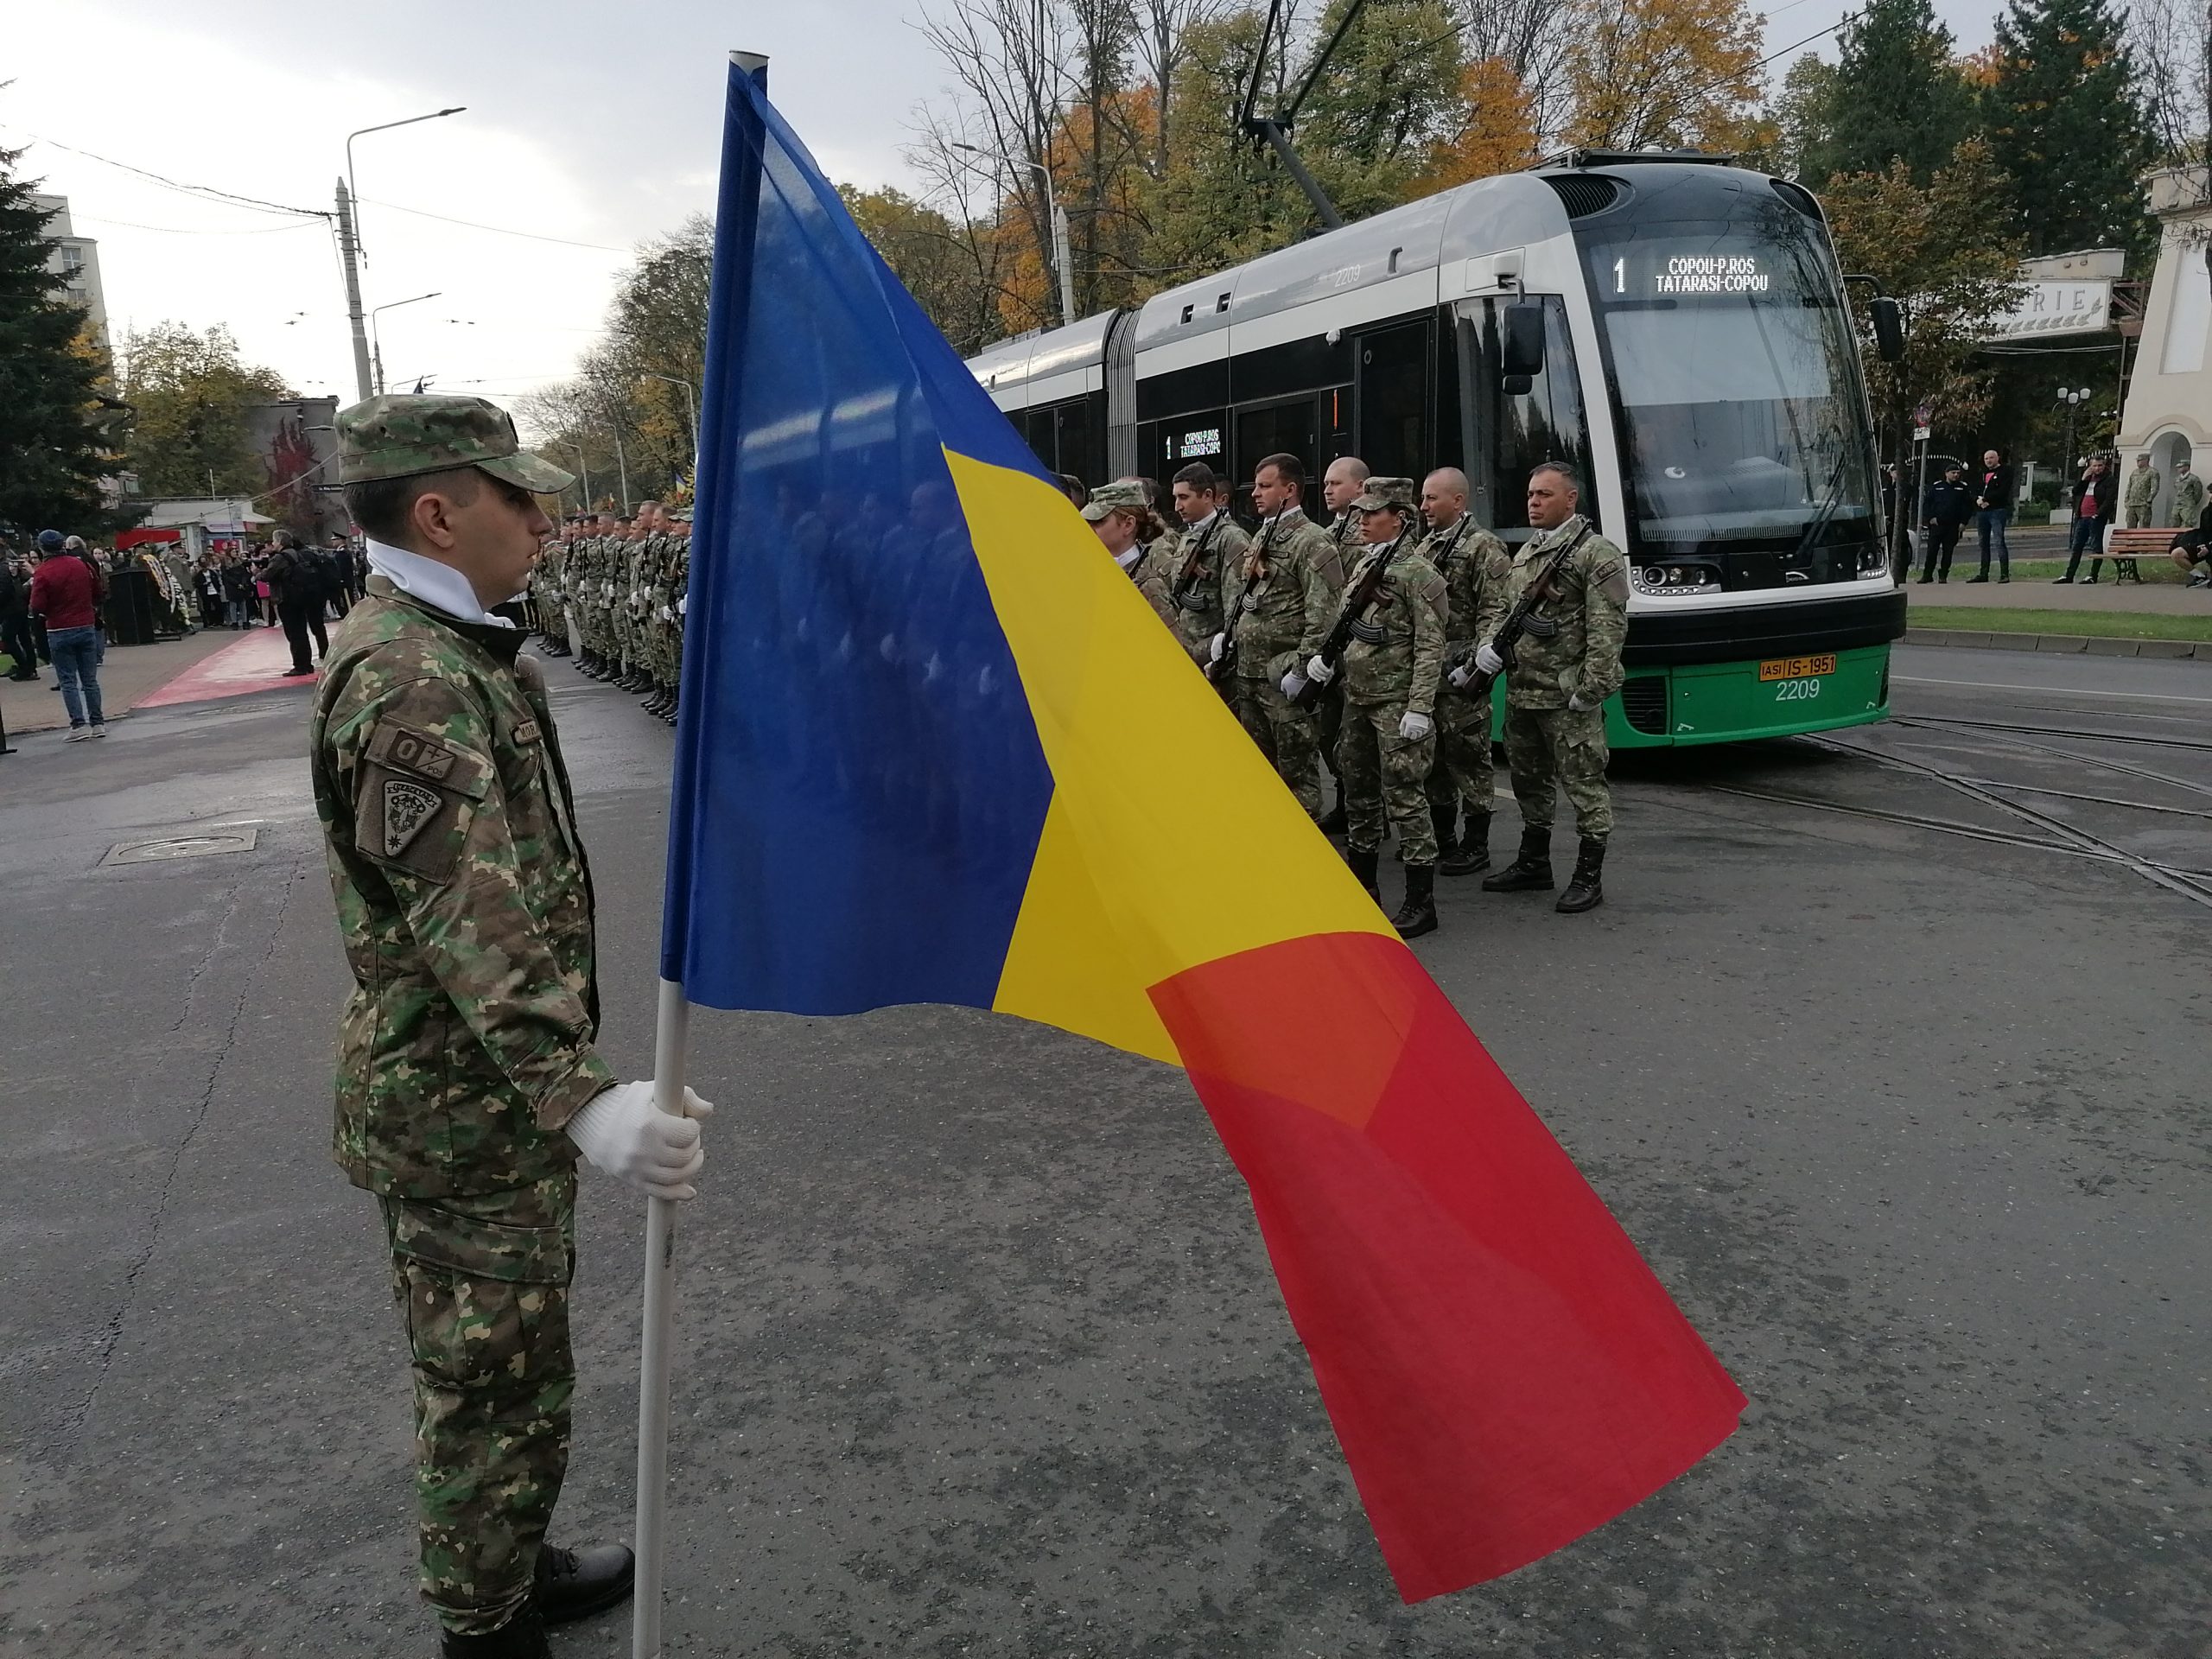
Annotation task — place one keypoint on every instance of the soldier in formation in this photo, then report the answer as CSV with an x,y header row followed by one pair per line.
x,y
1563,667
1341,481
1473,564
1201,561
2142,491
623,585
1121,517
1391,617
469,1080
1281,598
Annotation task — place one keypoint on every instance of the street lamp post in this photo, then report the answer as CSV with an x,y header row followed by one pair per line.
x,y
377,342
2072,397
349,241
1052,211
584,472
692,413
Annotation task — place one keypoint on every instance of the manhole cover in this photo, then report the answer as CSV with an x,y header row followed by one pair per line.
x,y
167,846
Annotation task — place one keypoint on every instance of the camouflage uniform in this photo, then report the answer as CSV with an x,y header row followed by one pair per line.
x,y
1142,567
1329,707
1200,564
465,908
2189,500
1279,607
1391,667
679,592
1549,745
1474,564
2142,491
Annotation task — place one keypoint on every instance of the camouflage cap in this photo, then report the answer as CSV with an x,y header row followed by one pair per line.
x,y
400,436
1397,494
1127,496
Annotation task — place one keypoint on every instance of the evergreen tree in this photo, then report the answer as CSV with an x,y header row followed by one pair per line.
x,y
2064,121
50,456
1895,95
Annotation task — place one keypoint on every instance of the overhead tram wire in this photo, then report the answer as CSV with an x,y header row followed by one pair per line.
x,y
499,230
207,191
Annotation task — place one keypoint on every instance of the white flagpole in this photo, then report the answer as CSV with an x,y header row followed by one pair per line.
x,y
670,1028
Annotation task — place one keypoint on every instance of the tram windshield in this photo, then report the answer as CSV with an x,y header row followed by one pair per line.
x,y
1734,371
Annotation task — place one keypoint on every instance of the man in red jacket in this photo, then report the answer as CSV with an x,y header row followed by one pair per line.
x,y
64,591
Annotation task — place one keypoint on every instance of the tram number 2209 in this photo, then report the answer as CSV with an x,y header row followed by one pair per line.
x,y
1799,677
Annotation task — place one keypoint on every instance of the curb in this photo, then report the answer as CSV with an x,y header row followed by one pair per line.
x,y
2076,644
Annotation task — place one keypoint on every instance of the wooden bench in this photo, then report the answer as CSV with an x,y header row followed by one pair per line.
x,y
2124,547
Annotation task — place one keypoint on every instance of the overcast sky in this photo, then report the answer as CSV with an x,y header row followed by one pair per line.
x,y
594,123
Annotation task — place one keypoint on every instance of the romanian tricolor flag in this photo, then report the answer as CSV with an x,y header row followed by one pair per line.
x,y
935,747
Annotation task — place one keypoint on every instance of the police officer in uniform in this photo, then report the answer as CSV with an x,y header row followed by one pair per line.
x,y
468,1082
1564,667
1392,664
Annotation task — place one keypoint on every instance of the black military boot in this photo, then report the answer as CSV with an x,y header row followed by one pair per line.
x,y
1472,852
1417,915
1585,888
1334,822
1362,860
1532,870
574,1584
1445,817
522,1636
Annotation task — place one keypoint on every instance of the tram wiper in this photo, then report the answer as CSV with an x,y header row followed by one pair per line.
x,y
1829,501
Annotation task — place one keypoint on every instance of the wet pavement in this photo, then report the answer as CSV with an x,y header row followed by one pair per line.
x,y
1902,1093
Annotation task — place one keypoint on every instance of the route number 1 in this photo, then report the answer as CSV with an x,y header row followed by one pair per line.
x,y
1620,275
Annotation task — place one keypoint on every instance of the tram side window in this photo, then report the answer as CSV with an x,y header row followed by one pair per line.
x,y
1072,426
1507,434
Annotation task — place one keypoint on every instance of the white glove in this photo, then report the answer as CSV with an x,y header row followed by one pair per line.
x,y
1460,676
1220,643
682,604
1488,660
623,1133
1293,683
1581,705
1413,727
1318,672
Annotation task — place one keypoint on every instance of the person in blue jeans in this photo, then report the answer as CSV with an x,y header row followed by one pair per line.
x,y
64,591
1993,500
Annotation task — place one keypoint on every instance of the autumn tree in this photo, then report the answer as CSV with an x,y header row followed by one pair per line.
x,y
1495,131
51,450
1933,245
2065,126
192,398
1671,73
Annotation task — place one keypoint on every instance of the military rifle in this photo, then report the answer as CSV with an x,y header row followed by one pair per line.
x,y
1360,594
1522,618
1226,668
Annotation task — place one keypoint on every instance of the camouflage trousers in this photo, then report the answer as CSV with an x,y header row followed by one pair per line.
x,y
1548,749
1286,736
1384,778
1462,771
482,1282
1328,727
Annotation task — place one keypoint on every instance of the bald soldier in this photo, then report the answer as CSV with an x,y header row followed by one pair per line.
x,y
469,1077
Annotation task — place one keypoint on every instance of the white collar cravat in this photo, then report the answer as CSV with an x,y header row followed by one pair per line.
x,y
439,586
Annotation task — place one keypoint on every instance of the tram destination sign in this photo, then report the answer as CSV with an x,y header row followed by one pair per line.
x,y
1658,275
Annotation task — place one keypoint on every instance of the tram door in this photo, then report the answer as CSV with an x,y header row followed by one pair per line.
x,y
1291,426
1391,400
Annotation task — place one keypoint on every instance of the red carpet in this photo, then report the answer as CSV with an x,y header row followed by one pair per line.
x,y
254,661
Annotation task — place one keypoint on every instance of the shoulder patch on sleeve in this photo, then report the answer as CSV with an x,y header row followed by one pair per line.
x,y
403,748
407,807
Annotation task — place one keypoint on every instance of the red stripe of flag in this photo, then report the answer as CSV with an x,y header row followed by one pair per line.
x,y
1503,1372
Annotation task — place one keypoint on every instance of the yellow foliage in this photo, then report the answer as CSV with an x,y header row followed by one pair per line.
x,y
1670,73
1497,132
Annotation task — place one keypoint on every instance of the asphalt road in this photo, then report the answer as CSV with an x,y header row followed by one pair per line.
x,y
978,1350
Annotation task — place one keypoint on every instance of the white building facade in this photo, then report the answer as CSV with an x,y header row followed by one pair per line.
x,y
76,260
2168,414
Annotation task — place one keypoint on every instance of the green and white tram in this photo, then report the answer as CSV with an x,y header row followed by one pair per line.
x,y
1675,329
